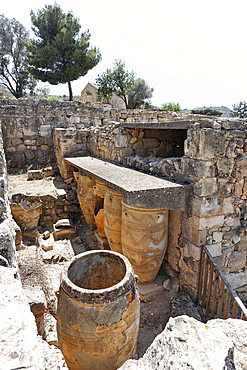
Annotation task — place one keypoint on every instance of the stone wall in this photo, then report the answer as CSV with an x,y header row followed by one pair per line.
x,y
7,245
215,163
213,160
28,126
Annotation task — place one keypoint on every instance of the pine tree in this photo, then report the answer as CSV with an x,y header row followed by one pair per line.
x,y
60,54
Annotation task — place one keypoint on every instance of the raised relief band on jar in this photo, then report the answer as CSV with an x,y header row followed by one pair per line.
x,y
98,311
144,239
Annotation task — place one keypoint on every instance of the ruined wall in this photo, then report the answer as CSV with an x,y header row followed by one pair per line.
x,y
7,245
214,161
28,128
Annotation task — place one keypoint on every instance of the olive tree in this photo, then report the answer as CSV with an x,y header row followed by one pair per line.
x,y
116,80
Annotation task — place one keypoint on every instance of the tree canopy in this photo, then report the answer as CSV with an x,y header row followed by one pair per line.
x,y
207,112
60,53
13,74
116,80
171,106
141,95
239,110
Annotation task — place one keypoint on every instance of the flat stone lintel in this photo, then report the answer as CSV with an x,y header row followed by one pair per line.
x,y
172,124
139,189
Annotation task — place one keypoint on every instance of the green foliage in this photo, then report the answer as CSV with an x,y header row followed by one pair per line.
x,y
207,112
43,90
13,75
239,110
116,80
60,53
171,106
141,95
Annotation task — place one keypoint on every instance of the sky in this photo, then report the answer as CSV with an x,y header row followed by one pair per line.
x,y
191,52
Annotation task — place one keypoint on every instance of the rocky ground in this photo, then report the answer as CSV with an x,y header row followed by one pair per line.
x,y
40,265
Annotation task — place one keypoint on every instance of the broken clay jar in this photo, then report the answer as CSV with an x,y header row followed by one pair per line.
x,y
98,311
76,176
99,222
144,239
26,213
113,218
86,198
99,189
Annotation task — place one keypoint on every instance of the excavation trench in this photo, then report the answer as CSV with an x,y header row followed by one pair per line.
x,y
46,251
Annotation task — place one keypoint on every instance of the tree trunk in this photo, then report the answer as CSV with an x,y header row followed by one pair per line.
x,y
70,91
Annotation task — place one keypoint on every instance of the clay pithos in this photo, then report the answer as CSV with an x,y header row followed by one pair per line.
x,y
113,218
98,311
144,239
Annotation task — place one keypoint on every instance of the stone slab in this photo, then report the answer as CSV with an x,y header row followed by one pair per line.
x,y
139,189
147,291
176,124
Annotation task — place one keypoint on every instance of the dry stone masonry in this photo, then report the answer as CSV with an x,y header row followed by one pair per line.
x,y
207,155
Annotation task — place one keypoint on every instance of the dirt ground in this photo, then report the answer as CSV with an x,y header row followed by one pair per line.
x,y
155,311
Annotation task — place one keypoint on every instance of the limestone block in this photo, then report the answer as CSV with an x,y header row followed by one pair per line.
x,y
45,130
214,249
205,187
191,231
224,166
191,250
29,142
212,144
237,261
210,222
245,188
237,280
238,188
20,148
217,237
205,205
17,141
197,168
221,260
227,206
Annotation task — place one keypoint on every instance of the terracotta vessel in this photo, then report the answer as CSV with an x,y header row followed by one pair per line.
x,y
99,222
113,218
76,176
86,198
144,239
99,189
98,311
26,213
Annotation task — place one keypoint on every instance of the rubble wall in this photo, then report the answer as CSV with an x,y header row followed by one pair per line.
x,y
28,126
213,160
7,245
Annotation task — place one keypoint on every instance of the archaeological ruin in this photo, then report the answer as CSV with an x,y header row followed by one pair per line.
x,y
167,190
